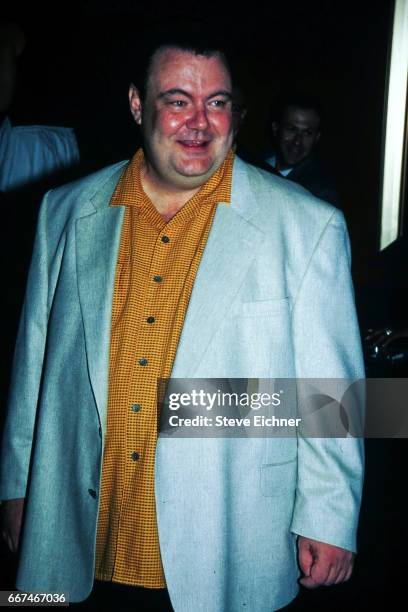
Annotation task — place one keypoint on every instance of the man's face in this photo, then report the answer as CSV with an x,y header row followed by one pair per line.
x,y
186,118
296,135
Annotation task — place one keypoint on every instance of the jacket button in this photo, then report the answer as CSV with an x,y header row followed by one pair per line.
x,y
92,493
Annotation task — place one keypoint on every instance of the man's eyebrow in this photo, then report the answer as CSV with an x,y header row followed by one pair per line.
x,y
222,92
182,92
172,92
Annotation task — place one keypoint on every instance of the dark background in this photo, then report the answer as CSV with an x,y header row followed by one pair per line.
x,y
75,72
76,65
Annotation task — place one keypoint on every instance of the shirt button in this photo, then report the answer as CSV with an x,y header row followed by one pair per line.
x,y
157,278
150,319
143,361
136,407
165,239
135,456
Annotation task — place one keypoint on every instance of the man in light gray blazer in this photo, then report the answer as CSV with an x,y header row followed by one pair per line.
x,y
239,520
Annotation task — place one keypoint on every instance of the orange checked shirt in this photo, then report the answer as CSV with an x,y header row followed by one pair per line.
x,y
157,265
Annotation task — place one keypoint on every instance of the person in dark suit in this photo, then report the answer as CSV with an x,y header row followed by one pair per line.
x,y
296,129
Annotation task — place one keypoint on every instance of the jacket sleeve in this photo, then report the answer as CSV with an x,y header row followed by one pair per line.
x,y
27,368
327,346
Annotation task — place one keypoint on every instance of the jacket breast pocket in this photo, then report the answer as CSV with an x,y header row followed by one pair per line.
x,y
279,479
265,308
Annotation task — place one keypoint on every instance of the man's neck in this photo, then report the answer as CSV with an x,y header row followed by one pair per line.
x,y
166,201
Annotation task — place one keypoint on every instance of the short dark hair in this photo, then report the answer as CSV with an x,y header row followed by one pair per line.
x,y
191,37
297,99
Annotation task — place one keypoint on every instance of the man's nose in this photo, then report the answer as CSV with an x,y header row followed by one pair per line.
x,y
298,139
198,120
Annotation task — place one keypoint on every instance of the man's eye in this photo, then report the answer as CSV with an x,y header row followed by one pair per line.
x,y
218,103
177,103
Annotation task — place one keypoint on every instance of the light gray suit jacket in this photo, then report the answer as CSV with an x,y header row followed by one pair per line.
x,y
272,298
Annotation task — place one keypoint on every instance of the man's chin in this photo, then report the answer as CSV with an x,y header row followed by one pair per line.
x,y
196,171
195,167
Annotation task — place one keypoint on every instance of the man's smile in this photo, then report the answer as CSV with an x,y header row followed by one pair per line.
x,y
194,144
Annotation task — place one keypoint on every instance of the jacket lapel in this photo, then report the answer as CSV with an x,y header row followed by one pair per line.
x,y
97,244
230,250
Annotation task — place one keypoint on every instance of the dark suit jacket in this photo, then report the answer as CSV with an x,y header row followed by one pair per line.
x,y
310,174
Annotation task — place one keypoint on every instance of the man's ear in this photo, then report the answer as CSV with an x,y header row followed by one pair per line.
x,y
135,104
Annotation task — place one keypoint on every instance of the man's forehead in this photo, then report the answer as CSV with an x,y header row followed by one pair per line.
x,y
167,61
302,115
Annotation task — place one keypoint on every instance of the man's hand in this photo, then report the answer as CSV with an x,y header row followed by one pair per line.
x,y
11,515
323,564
